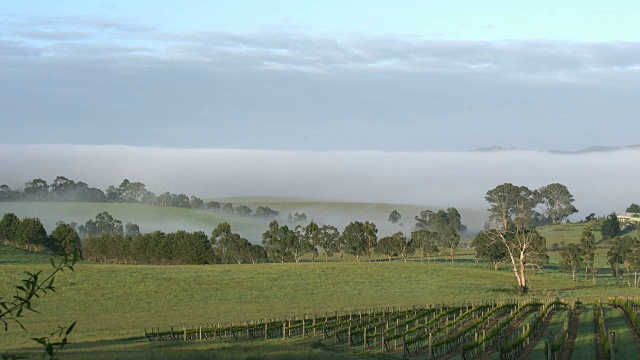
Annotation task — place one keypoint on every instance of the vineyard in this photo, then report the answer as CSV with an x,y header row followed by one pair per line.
x,y
510,329
505,330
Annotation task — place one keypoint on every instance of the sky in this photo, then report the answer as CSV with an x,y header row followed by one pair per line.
x,y
375,101
321,76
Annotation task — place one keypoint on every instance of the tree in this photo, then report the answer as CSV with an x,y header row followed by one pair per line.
x,y
265,212
407,247
557,200
610,227
131,230
64,238
227,208
32,234
257,254
243,210
426,242
571,259
486,248
329,241
615,256
7,194
370,231
588,247
214,205
624,251
447,224
9,227
311,238
590,217
394,217
278,241
300,218
634,209
355,239
511,217
228,246
301,244
195,202
36,189
388,246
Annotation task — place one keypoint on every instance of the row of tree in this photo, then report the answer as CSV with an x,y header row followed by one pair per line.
x,y
30,234
64,189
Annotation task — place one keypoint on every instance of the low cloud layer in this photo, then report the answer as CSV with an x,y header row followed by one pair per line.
x,y
94,80
601,182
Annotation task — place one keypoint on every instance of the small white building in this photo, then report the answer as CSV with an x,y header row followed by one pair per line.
x,y
630,218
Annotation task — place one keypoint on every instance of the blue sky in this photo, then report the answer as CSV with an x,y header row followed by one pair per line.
x,y
464,19
329,75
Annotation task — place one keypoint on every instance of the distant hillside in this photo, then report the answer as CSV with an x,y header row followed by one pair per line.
x,y
588,150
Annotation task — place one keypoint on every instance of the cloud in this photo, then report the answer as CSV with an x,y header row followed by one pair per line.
x,y
113,81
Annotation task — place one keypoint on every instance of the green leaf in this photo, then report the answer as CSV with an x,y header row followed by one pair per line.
x,y
70,329
50,350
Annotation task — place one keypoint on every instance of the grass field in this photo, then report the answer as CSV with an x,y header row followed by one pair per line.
x,y
115,302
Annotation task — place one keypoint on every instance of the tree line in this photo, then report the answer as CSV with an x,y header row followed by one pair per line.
x,y
106,239
67,190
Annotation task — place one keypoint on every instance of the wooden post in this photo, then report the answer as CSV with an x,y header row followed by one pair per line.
x,y
349,336
284,330
266,330
430,347
612,345
184,333
364,339
549,347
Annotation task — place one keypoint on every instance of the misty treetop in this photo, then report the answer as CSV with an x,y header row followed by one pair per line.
x,y
66,190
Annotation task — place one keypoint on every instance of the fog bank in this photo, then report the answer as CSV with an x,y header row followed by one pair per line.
x,y
600,182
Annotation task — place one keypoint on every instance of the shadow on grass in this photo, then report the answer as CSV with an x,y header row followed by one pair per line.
x,y
197,350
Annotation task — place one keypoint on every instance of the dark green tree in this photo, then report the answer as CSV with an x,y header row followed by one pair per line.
x,y
10,226
329,241
64,238
355,239
486,248
634,209
32,234
610,227
278,241
388,246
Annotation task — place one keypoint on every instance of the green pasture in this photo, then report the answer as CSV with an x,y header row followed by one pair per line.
x,y
116,302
